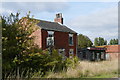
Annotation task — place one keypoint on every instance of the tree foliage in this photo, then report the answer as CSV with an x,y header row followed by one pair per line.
x,y
9,43
100,41
17,42
113,42
84,41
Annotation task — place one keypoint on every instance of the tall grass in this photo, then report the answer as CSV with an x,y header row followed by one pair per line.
x,y
89,69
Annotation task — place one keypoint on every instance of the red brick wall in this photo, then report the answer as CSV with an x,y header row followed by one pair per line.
x,y
113,51
60,20
44,36
113,48
61,41
37,39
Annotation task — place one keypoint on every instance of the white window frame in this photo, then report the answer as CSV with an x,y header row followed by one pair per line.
x,y
71,35
71,53
61,50
50,37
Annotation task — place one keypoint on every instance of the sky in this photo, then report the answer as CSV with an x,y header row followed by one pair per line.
x,y
93,19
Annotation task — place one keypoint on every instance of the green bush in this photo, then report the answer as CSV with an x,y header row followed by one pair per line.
x,y
71,62
41,63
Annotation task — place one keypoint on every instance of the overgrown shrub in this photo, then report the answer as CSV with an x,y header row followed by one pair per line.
x,y
43,62
16,42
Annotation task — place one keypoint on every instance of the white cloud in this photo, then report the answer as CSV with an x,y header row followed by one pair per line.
x,y
35,7
60,0
34,0
102,23
97,24
2,10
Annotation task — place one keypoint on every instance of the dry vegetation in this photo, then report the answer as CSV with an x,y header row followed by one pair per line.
x,y
85,69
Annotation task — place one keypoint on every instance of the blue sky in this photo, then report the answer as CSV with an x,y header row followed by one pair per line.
x,y
94,19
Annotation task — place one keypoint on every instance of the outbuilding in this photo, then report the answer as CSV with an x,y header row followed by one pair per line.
x,y
92,54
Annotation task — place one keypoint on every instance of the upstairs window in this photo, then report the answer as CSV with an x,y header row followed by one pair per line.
x,y
50,38
70,39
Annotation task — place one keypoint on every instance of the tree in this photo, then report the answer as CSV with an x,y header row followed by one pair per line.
x,y
100,41
105,42
9,43
16,42
117,41
113,42
96,42
84,41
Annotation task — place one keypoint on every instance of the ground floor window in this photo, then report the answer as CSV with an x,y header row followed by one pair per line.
x,y
71,52
61,51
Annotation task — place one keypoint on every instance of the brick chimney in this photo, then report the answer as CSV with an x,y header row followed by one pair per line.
x,y
59,18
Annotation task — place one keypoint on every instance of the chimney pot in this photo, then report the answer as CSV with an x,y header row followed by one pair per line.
x,y
59,18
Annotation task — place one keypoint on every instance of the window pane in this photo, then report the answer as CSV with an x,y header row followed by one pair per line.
x,y
71,52
50,38
70,39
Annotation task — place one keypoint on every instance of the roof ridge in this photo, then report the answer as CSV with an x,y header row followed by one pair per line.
x,y
52,25
40,19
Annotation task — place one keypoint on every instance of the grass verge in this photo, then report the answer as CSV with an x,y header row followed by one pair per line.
x,y
86,69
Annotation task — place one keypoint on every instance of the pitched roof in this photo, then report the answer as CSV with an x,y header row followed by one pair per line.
x,y
47,25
